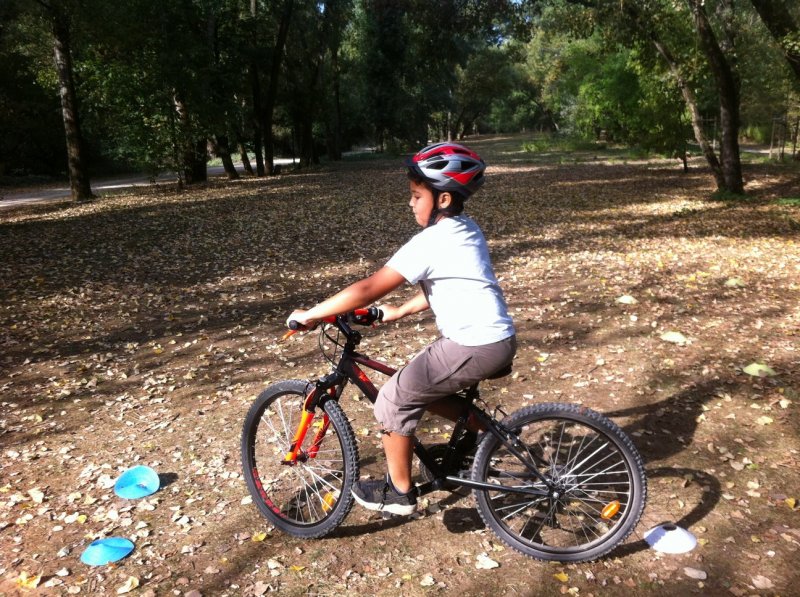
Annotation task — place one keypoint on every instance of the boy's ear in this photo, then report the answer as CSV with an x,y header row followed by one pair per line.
x,y
445,199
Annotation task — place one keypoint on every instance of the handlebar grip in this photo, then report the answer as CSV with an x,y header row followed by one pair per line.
x,y
367,316
295,325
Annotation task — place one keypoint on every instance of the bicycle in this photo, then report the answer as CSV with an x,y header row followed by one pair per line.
x,y
554,481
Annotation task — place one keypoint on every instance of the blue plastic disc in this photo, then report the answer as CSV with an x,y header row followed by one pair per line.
x,y
137,482
105,551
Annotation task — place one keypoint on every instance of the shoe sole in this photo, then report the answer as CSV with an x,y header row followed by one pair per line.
x,y
400,509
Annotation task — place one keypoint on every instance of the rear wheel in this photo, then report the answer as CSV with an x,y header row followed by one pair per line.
x,y
594,485
310,497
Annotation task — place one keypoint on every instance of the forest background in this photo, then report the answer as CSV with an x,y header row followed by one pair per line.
x,y
151,87
139,327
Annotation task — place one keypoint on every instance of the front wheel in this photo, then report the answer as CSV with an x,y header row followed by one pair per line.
x,y
311,496
589,478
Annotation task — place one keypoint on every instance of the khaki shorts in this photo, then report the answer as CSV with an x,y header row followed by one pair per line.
x,y
439,370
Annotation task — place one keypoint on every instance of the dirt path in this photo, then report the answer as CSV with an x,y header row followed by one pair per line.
x,y
46,194
138,330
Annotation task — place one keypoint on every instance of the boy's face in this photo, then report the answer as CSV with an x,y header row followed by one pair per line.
x,y
421,202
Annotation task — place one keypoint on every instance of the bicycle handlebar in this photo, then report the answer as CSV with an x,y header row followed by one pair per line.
x,y
364,317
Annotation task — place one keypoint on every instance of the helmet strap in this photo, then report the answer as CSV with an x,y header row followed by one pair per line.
x,y
435,211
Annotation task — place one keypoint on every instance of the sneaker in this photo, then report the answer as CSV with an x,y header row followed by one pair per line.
x,y
381,495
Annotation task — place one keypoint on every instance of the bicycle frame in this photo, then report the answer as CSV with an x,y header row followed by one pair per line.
x,y
349,369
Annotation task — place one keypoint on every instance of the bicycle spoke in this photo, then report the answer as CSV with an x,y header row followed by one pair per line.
x,y
585,471
524,506
299,492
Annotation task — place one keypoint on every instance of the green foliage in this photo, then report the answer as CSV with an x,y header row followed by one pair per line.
x,y
560,144
728,196
605,93
33,134
154,78
789,201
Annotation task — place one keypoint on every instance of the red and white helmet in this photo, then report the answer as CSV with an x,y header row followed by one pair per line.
x,y
448,167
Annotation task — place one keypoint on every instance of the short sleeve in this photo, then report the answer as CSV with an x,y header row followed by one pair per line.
x,y
412,260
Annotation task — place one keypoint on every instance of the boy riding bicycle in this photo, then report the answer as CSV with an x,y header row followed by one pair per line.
x,y
450,261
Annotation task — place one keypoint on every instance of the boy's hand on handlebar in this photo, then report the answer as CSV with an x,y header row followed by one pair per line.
x,y
299,316
390,313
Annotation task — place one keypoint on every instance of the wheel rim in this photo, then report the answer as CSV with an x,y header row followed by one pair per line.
x,y
308,491
589,487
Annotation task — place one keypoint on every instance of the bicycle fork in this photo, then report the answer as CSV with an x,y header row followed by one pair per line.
x,y
307,416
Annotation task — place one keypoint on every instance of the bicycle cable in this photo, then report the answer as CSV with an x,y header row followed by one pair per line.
x,y
335,341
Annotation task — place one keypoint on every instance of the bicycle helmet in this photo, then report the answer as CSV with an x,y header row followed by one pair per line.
x,y
448,167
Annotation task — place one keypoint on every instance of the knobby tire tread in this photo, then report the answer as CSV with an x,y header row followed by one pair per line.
x,y
601,424
344,430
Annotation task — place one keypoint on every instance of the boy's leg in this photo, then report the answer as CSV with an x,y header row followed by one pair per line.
x,y
395,494
441,369
452,408
399,450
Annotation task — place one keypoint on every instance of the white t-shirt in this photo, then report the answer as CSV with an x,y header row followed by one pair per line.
x,y
451,261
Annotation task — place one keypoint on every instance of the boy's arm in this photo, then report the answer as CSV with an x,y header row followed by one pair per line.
x,y
414,305
359,294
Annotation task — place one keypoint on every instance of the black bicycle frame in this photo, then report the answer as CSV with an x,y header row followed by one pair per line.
x,y
348,369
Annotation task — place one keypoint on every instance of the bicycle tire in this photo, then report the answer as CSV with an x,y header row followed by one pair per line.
x,y
595,469
310,498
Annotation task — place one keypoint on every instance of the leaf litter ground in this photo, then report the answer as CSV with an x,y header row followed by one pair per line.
x,y
138,329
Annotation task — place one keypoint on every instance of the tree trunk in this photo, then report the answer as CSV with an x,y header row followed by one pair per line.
x,y
76,161
307,152
245,159
193,152
272,89
194,162
697,120
784,30
258,119
728,90
223,151
336,152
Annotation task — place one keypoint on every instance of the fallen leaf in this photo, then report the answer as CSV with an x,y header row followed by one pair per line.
x,y
674,337
427,581
562,576
764,420
484,562
36,495
695,573
129,585
759,370
28,582
626,299
258,537
762,582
